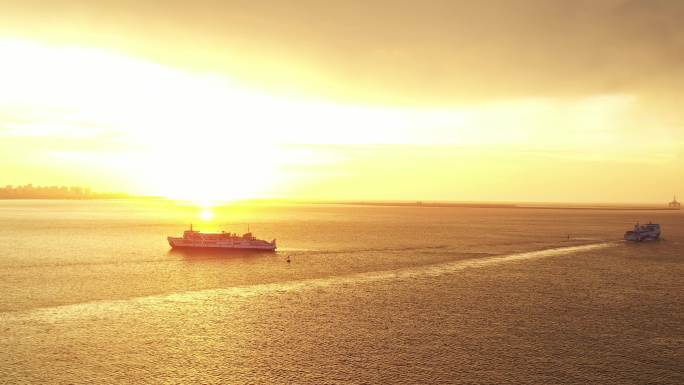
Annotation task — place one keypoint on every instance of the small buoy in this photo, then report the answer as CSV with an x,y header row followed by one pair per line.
x,y
288,259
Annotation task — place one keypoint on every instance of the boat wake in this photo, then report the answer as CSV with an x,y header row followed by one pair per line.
x,y
102,308
448,267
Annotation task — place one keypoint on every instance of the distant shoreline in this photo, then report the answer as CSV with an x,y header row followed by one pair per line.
x,y
93,198
544,206
416,204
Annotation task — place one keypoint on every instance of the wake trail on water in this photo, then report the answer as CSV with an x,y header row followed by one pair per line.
x,y
101,308
443,268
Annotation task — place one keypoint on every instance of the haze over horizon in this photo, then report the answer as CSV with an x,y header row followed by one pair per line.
x,y
536,100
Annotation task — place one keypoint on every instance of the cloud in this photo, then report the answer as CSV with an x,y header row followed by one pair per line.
x,y
395,51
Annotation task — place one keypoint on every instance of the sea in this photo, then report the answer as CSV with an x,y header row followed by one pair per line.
x,y
91,293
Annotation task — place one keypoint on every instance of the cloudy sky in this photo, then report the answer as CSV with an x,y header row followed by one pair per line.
x,y
533,100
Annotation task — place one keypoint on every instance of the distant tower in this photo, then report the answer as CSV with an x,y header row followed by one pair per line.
x,y
674,204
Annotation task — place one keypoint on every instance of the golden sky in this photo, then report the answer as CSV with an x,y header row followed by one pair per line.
x,y
529,100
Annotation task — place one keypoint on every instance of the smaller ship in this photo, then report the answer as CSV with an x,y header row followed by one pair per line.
x,y
649,232
193,239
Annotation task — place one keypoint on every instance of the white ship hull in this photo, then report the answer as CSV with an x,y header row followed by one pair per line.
x,y
217,244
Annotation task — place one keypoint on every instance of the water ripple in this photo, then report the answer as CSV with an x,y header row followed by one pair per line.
x,y
94,309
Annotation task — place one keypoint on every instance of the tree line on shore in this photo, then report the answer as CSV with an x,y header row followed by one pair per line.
x,y
30,191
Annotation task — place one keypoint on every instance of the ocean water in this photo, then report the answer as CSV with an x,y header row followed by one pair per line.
x,y
91,293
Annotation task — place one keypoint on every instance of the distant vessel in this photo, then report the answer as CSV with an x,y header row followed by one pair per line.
x,y
224,241
649,232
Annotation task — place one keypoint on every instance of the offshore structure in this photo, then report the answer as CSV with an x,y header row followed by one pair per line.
x,y
674,204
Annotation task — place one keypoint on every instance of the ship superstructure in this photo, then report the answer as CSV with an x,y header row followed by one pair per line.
x,y
223,240
649,232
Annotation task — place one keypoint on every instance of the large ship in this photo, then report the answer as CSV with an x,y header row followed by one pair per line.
x,y
193,239
649,232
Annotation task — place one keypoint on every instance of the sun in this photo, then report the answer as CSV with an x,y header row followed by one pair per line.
x,y
151,129
171,132
207,214
210,173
